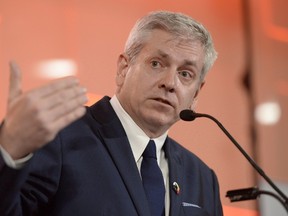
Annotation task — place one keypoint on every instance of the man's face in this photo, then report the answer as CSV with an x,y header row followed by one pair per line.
x,y
160,82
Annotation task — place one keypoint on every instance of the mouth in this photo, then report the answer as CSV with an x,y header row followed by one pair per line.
x,y
161,100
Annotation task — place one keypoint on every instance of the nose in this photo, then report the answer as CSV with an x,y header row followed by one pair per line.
x,y
168,81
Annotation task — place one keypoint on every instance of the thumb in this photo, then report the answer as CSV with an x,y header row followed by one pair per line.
x,y
15,88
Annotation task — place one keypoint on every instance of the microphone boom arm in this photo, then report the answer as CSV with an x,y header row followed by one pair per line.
x,y
189,115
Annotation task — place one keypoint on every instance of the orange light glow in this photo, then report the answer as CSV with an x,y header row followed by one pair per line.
x,y
271,29
282,87
233,211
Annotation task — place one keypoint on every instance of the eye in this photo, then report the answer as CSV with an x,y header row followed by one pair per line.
x,y
155,64
186,74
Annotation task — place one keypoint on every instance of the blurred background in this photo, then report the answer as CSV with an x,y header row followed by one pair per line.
x,y
247,89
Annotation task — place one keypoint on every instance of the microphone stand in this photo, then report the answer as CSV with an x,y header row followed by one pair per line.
x,y
241,194
250,194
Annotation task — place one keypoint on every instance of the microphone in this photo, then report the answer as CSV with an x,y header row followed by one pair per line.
x,y
189,115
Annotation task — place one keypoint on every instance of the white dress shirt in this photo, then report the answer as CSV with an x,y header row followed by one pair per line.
x,y
139,140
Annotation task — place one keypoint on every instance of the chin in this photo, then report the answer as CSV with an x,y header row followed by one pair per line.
x,y
160,120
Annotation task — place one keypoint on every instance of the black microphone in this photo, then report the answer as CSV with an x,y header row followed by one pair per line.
x,y
189,115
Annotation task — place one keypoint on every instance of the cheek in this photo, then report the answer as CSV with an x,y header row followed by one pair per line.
x,y
187,100
120,80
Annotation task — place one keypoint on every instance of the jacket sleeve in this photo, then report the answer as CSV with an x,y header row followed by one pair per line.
x,y
27,190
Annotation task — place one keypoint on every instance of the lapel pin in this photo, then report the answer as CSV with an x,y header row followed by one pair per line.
x,y
176,188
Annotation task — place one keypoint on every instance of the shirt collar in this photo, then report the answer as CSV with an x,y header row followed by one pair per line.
x,y
137,138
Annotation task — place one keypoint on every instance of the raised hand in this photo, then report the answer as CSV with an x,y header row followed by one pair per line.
x,y
34,118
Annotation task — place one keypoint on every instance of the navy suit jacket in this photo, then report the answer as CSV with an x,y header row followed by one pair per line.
x,y
89,169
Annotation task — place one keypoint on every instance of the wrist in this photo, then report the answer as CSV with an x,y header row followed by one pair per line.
x,y
10,162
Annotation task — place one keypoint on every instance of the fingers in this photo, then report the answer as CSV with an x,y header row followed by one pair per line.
x,y
64,97
56,99
61,103
15,82
35,117
54,86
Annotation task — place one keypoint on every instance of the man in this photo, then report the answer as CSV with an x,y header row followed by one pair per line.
x,y
94,166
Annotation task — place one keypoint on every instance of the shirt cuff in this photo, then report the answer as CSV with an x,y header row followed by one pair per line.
x,y
15,164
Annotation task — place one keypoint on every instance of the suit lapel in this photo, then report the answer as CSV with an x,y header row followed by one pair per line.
x,y
121,153
116,141
175,177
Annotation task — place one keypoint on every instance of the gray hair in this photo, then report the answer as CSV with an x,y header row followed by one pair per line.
x,y
175,23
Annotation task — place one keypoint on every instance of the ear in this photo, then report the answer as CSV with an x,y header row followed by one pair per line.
x,y
122,69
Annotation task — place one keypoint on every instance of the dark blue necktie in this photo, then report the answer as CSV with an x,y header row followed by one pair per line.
x,y
153,180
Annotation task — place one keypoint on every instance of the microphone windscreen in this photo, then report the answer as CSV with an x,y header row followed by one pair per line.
x,y
187,115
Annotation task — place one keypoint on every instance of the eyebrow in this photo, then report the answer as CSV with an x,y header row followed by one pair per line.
x,y
186,62
162,54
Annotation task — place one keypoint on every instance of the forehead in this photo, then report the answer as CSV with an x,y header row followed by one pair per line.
x,y
170,46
